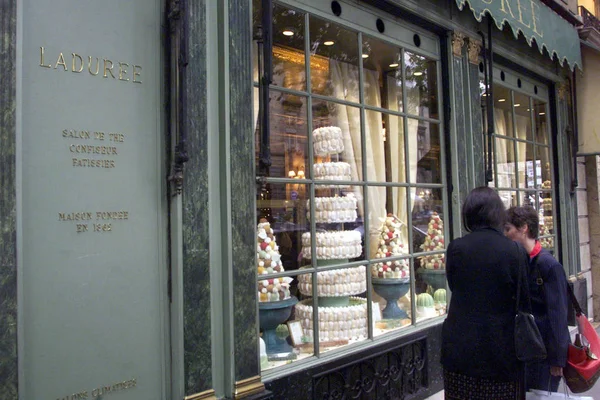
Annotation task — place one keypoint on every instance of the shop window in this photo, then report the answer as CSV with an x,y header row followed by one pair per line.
x,y
351,210
522,155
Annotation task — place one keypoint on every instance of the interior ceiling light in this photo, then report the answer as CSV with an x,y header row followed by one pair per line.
x,y
542,113
501,100
288,32
418,73
394,65
528,109
365,56
517,105
329,43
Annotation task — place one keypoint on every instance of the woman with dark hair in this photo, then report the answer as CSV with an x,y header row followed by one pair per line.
x,y
478,351
549,299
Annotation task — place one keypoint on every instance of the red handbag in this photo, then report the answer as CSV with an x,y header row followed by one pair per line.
x,y
583,365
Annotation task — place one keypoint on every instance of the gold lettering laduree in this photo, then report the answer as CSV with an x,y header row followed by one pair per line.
x,y
127,72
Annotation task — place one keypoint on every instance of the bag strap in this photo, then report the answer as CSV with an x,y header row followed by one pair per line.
x,y
574,302
520,271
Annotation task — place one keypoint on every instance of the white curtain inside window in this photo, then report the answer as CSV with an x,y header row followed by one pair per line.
x,y
348,119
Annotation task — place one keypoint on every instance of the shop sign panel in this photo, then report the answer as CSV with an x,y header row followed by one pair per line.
x,y
91,232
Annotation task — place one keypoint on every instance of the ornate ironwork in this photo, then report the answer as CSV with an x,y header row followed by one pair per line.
x,y
177,44
589,20
392,375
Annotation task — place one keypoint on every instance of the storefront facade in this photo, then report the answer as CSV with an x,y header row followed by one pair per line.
x,y
300,172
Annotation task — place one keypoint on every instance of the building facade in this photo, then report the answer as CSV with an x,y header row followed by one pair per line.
x,y
252,199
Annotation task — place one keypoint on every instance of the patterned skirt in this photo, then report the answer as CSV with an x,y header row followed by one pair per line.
x,y
463,387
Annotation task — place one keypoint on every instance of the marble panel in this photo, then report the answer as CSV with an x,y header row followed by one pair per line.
x,y
243,213
196,271
8,244
477,127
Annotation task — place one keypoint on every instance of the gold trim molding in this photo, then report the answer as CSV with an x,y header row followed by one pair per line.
x,y
474,49
207,394
248,387
458,41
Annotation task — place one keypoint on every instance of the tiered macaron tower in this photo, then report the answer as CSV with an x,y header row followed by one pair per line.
x,y
547,221
342,317
391,279
275,302
433,266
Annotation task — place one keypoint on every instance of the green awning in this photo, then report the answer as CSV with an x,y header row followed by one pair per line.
x,y
536,21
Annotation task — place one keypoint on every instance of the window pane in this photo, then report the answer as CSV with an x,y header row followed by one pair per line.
x,y
389,247
525,165
288,135
340,227
542,134
547,220
421,86
335,52
385,147
382,74
425,165
288,49
505,163
282,221
503,118
544,168
428,226
336,136
338,240
522,117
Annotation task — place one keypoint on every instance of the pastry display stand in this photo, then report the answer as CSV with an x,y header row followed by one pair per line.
x,y
392,290
436,278
271,314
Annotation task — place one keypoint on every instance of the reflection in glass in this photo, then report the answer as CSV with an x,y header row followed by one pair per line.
x,y
382,74
522,117
542,134
505,163
385,148
509,198
544,168
421,86
426,165
288,48
334,60
288,138
336,137
282,219
525,165
503,118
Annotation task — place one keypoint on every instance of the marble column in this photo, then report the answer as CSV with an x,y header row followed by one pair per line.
x,y
196,266
243,211
8,244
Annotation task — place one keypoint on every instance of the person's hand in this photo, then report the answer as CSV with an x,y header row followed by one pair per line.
x,y
556,371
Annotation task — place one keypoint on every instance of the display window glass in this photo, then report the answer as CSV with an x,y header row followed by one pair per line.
x,y
351,206
522,158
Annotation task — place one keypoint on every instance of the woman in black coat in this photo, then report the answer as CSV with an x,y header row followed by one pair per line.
x,y
549,299
478,351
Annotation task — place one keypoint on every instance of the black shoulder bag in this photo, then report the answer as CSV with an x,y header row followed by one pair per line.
x,y
529,344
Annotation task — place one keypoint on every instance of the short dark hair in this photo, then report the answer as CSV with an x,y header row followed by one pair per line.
x,y
525,215
483,208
